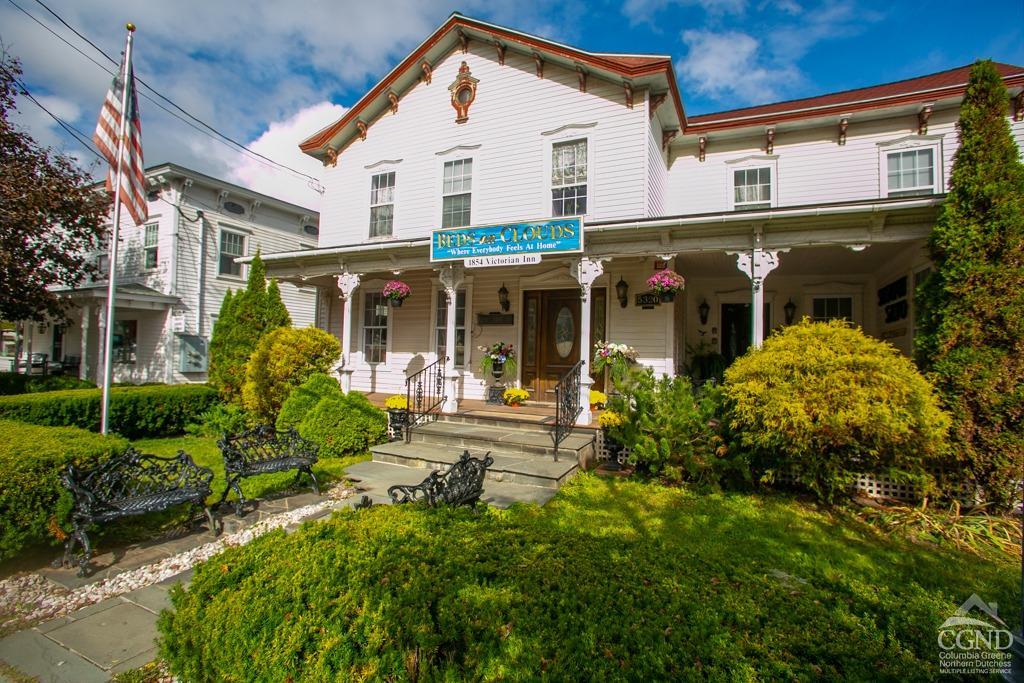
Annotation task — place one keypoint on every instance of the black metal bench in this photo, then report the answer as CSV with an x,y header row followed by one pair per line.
x,y
263,450
127,485
461,484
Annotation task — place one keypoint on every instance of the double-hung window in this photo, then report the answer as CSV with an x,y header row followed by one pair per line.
x,y
149,246
441,326
910,172
825,308
232,245
382,204
569,178
457,193
375,328
752,188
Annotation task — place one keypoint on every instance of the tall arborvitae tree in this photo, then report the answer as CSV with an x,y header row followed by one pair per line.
x,y
972,304
244,318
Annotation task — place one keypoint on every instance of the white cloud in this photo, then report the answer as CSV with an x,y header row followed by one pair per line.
x,y
280,142
731,65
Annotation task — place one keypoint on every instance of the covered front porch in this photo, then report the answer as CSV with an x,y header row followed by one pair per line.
x,y
746,274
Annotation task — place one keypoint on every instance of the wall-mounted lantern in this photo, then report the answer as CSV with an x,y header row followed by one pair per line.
x,y
503,298
790,310
622,292
703,311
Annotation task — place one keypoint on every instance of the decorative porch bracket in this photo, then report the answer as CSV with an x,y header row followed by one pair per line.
x,y
756,264
451,279
347,284
586,271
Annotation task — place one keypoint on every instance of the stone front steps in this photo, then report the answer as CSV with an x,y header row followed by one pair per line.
x,y
524,469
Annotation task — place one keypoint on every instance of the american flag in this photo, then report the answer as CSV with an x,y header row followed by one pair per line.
x,y
133,181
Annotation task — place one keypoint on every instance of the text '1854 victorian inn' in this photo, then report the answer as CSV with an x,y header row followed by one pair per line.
x,y
501,187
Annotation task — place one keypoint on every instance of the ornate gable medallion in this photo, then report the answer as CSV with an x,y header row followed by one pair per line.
x,y
463,92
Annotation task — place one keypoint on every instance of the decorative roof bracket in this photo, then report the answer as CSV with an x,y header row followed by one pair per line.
x,y
628,87
769,139
656,101
702,147
844,123
922,118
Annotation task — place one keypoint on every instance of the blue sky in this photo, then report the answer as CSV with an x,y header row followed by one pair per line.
x,y
270,72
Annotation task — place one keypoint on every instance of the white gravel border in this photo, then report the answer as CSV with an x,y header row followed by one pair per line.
x,y
36,599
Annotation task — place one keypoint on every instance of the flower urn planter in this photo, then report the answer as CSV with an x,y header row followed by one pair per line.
x,y
497,370
398,420
614,450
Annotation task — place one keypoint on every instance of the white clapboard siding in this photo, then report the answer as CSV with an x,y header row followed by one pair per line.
x,y
812,167
512,109
657,173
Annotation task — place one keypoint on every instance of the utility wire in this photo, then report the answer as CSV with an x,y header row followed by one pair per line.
x,y
210,131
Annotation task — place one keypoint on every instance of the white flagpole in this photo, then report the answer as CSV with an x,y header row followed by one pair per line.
x,y
108,332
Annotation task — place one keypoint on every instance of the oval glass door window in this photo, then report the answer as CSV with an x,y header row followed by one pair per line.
x,y
565,332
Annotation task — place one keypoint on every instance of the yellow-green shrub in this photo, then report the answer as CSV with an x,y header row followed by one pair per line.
x,y
284,359
825,402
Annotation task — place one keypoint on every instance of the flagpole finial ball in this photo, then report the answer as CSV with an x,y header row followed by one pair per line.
x,y
130,26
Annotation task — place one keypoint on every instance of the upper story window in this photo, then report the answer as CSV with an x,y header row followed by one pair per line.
x,y
569,178
149,246
910,172
382,204
232,245
375,328
457,193
752,188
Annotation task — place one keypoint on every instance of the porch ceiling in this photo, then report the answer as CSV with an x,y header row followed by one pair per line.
x,y
799,261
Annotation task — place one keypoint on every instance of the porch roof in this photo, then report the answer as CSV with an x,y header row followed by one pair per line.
x,y
839,223
129,295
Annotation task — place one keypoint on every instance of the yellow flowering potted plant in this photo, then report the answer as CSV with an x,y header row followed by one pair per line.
x,y
598,399
398,415
515,397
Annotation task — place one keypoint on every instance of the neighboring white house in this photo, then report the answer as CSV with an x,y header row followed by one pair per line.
x,y
173,272
816,207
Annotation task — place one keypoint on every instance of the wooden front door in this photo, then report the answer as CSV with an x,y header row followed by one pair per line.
x,y
551,331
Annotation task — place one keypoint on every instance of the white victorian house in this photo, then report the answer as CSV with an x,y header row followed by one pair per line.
x,y
816,207
173,272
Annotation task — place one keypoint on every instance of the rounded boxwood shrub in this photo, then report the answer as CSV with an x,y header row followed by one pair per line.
x,y
135,411
305,397
33,503
826,402
284,359
344,424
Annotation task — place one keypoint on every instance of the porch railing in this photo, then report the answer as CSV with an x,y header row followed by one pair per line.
x,y
567,404
424,395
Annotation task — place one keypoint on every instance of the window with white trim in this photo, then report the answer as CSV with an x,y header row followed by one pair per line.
x,y
825,308
457,193
375,328
910,172
382,204
441,326
232,245
569,178
752,188
149,246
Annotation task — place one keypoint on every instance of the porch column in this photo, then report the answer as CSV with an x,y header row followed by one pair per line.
x,y
83,363
347,284
586,270
451,280
756,264
101,324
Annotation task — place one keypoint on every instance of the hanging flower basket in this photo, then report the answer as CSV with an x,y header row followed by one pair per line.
x,y
396,292
665,283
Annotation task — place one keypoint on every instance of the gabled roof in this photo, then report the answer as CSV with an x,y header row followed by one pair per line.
x,y
641,70
949,83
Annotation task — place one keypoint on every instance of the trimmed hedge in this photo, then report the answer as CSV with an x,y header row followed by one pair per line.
x,y
12,383
135,412
32,501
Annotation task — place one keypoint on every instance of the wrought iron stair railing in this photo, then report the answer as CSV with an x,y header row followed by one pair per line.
x,y
567,404
424,395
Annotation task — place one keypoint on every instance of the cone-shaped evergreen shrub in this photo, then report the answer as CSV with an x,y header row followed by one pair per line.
x,y
245,317
826,402
971,308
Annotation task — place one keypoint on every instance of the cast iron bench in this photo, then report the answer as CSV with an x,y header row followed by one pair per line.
x,y
461,484
127,485
263,450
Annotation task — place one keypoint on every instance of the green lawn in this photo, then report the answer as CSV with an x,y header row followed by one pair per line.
x,y
612,580
204,451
